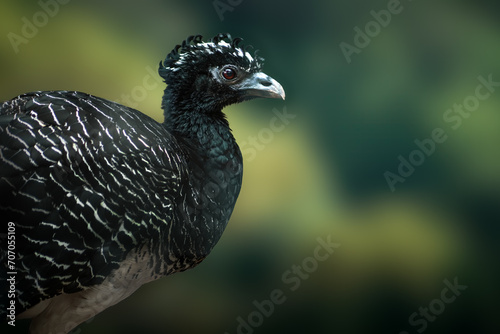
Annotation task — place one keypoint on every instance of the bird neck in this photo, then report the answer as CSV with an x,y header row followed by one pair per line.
x,y
215,172
215,169
202,126
203,131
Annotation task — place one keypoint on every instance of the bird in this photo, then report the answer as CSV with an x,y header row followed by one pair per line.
x,y
103,199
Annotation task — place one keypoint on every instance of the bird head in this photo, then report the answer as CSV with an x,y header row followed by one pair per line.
x,y
207,76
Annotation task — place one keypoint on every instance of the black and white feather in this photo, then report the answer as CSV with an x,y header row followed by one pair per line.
x,y
105,199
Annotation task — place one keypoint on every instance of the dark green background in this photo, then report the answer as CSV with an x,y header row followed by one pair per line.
x,y
323,173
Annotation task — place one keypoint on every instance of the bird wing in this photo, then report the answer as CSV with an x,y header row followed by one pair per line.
x,y
86,180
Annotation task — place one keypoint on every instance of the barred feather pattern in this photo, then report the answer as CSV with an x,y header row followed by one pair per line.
x,y
87,181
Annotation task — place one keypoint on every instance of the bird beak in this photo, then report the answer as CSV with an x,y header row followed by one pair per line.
x,y
261,85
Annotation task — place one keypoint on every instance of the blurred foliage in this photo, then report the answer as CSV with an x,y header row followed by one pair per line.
x,y
324,173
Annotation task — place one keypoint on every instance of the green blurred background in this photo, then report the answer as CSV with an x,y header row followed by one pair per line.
x,y
323,173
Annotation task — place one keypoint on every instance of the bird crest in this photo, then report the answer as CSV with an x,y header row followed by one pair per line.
x,y
221,46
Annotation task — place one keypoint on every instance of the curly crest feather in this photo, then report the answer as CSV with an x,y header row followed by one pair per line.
x,y
222,48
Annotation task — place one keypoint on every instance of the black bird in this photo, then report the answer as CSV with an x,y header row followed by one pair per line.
x,y
104,199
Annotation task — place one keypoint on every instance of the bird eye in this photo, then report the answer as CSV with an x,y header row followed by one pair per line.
x,y
228,73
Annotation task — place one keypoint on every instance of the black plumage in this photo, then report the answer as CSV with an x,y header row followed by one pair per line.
x,y
105,199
